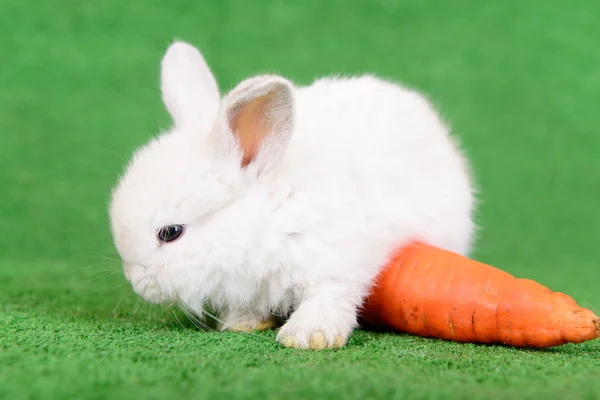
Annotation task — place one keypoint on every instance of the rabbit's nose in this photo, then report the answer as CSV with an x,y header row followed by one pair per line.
x,y
144,283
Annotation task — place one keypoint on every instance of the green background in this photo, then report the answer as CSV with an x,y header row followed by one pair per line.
x,y
519,81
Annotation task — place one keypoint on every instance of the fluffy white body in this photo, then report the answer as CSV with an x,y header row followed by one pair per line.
x,y
291,198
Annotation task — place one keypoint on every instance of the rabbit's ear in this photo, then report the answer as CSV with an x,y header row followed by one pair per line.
x,y
259,114
189,89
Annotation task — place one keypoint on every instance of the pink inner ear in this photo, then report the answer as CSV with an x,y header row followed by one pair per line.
x,y
251,126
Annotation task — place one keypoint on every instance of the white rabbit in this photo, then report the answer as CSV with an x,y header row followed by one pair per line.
x,y
285,200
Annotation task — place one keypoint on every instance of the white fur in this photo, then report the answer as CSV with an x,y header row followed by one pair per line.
x,y
358,167
190,91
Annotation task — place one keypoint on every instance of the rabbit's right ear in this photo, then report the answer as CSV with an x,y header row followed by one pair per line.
x,y
189,89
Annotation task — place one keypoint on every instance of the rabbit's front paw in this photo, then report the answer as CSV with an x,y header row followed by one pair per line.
x,y
317,340
246,323
317,327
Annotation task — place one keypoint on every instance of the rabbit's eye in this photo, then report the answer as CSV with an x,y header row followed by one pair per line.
x,y
170,233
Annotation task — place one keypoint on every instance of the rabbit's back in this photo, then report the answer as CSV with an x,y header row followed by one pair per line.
x,y
381,153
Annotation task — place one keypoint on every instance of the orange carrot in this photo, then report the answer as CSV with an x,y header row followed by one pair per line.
x,y
431,292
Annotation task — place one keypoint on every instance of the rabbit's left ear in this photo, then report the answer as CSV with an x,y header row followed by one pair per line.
x,y
189,89
259,116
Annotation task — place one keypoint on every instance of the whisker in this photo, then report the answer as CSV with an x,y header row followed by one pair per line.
x,y
116,309
200,320
101,276
122,284
99,271
176,317
141,298
137,305
101,257
164,316
152,314
107,150
113,153
92,265
195,320
224,325
215,318
134,284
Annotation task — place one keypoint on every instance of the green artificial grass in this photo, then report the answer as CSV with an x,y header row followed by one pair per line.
x,y
518,81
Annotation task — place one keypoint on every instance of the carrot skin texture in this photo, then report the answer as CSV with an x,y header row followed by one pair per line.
x,y
431,292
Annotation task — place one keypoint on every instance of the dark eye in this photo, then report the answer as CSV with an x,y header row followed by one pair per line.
x,y
170,233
